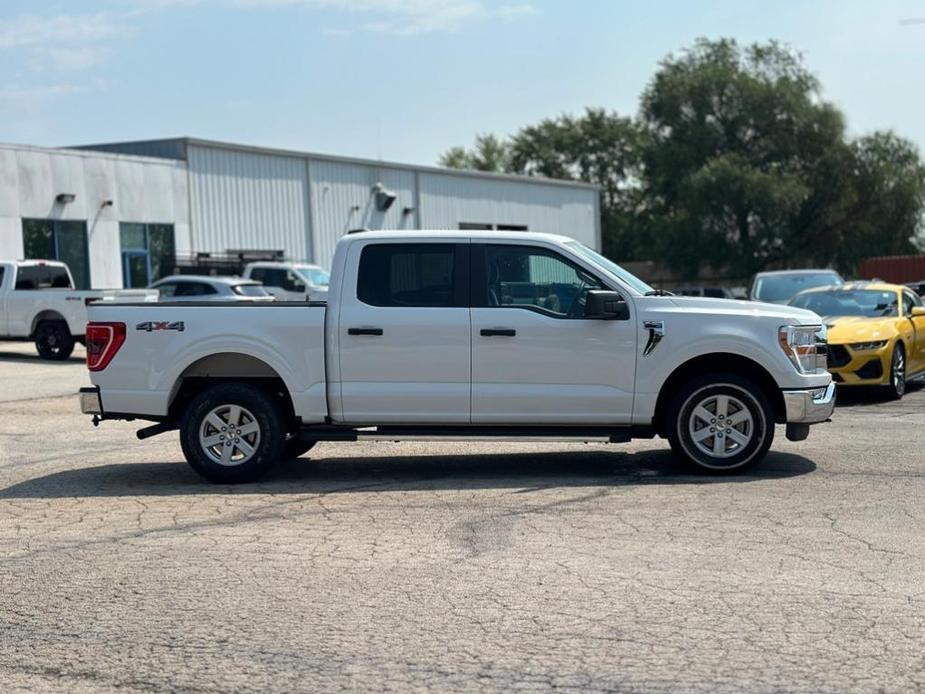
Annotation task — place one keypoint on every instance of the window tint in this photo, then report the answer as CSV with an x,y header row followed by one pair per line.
x,y
194,289
42,277
270,276
2,270
409,274
531,277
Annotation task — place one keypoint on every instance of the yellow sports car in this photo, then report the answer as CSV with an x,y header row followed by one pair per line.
x,y
876,333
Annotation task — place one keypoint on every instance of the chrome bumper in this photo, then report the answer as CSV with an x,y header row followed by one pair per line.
x,y
809,406
90,402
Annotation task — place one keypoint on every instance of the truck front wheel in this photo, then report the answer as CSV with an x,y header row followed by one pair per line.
x,y
53,340
232,433
720,423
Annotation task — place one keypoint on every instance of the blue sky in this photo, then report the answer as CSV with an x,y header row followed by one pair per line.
x,y
406,79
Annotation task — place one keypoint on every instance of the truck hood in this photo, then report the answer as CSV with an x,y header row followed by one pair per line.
x,y
787,315
847,329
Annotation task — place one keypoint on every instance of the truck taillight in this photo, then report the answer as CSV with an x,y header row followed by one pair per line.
x,y
103,341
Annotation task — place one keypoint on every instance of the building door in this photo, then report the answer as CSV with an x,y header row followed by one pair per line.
x,y
136,269
535,358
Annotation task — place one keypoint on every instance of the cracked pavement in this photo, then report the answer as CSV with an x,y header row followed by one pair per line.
x,y
456,566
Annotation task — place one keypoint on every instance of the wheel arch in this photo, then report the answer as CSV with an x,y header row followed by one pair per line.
x,y
720,362
228,367
46,315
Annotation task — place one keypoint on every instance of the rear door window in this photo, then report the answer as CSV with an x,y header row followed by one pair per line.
x,y
413,274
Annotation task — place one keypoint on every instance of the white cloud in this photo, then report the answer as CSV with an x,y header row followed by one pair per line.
x,y
34,30
403,17
27,96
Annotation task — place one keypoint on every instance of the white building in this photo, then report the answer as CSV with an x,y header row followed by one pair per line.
x,y
124,213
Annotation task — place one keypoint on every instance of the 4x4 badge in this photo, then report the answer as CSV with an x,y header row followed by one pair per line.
x,y
152,325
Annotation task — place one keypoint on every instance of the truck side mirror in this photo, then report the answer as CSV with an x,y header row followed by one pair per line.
x,y
603,304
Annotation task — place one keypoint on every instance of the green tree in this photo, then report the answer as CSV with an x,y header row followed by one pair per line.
x,y
490,153
888,181
599,147
744,169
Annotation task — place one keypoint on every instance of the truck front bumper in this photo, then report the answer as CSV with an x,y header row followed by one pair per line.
x,y
809,406
805,407
90,402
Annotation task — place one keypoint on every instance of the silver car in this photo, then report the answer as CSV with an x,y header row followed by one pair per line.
x,y
208,288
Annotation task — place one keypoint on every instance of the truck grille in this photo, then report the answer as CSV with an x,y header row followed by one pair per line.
x,y
838,356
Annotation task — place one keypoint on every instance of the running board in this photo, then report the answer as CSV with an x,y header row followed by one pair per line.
x,y
474,433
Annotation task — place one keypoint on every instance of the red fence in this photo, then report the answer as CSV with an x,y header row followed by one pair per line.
x,y
894,268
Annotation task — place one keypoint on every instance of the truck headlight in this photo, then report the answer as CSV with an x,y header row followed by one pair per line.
x,y
868,346
805,346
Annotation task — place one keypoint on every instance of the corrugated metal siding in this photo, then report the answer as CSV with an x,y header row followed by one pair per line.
x,y
895,268
248,201
343,199
447,200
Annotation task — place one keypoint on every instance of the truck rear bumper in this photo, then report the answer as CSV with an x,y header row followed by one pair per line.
x,y
809,406
90,402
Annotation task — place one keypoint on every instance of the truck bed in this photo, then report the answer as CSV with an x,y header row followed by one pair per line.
x,y
166,342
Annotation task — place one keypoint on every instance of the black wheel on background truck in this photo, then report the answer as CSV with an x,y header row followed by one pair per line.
x,y
720,423
53,340
232,432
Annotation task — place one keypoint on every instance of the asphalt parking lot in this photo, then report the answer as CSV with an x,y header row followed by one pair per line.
x,y
456,566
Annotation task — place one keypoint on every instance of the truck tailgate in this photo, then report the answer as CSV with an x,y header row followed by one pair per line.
x,y
166,341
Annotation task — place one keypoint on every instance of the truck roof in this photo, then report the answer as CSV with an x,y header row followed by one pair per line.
x,y
32,263
486,234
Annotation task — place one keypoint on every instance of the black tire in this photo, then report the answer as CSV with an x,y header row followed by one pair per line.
x,y
256,408
53,340
896,388
296,447
738,446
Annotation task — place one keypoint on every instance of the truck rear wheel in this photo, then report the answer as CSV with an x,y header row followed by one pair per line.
x,y
232,433
53,340
720,423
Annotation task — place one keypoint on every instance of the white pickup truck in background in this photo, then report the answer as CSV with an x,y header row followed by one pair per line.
x,y
449,335
290,281
38,302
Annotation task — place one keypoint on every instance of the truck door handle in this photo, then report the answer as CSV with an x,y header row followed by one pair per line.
x,y
364,331
498,332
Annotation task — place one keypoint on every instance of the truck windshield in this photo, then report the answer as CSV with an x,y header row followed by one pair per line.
x,y
315,275
610,267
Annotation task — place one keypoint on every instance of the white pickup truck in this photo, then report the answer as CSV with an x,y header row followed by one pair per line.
x,y
38,302
449,335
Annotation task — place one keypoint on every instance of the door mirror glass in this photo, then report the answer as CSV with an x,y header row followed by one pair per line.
x,y
603,304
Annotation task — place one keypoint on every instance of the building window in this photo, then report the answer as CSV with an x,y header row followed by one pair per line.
x,y
66,241
148,253
479,226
